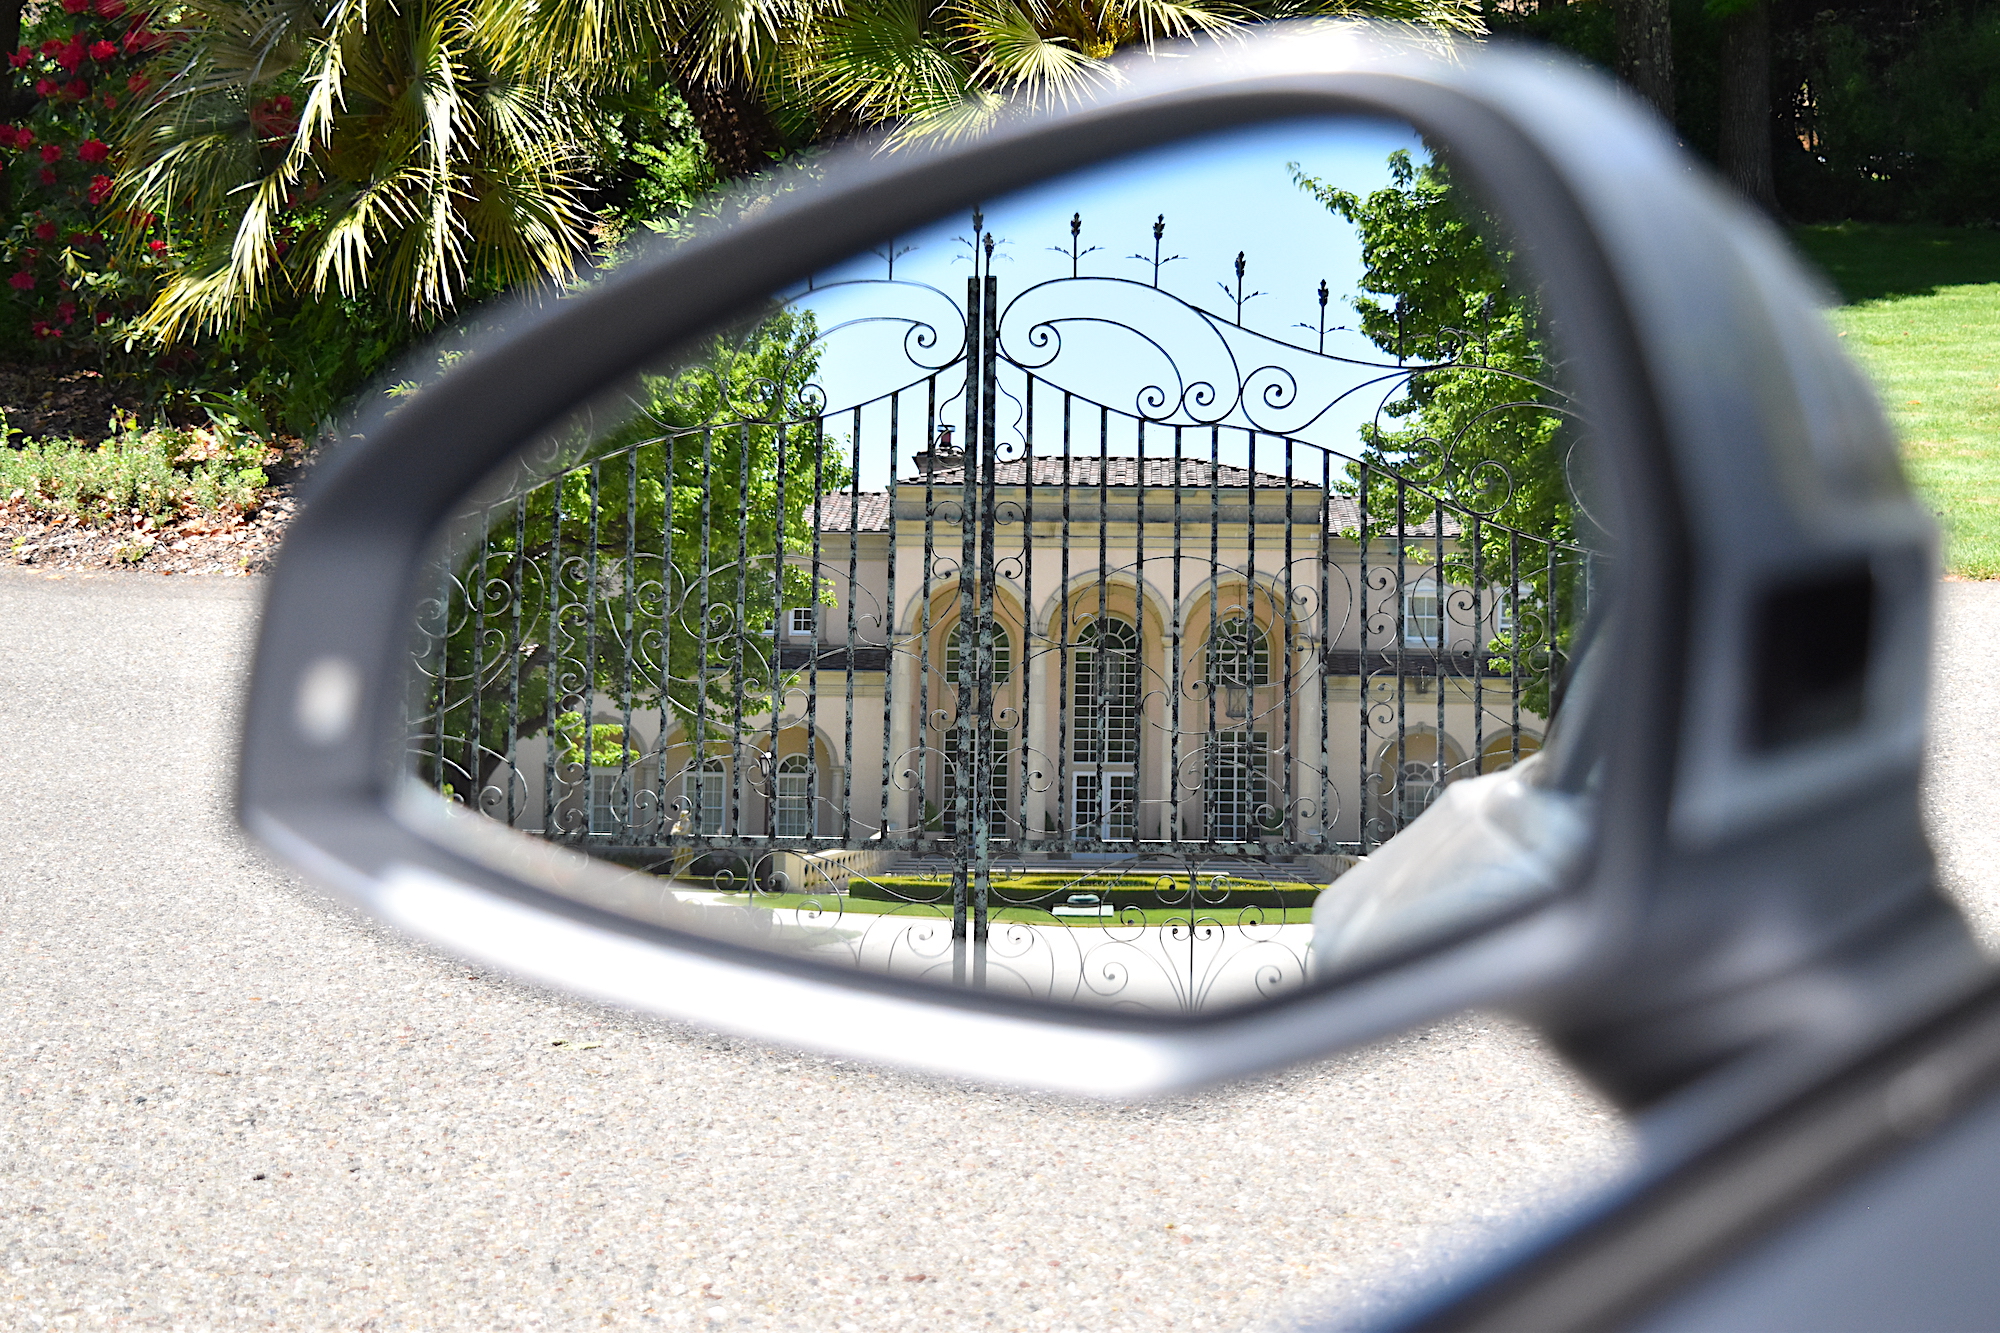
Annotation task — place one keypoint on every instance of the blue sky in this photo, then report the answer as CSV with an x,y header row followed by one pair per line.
x,y
1220,195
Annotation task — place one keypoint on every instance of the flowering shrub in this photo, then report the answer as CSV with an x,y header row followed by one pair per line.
x,y
85,61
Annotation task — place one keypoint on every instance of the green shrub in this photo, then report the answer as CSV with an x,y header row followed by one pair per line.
x,y
161,473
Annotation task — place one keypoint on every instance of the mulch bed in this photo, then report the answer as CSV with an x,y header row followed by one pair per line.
x,y
193,546
46,400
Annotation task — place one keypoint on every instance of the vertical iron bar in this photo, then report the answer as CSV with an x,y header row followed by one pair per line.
x,y
1361,659
1065,812
983,737
511,765
549,827
625,773
888,616
699,727
845,824
1402,649
975,364
742,635
1024,667
1442,641
1176,668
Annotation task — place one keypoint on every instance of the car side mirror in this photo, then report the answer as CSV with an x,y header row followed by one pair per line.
x,y
1330,531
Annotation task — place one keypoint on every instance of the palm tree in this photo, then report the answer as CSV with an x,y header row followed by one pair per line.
x,y
376,145
421,149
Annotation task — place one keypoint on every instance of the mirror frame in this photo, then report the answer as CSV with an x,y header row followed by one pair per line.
x,y
1645,266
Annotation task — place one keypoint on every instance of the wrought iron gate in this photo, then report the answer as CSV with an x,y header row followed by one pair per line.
x,y
1096,682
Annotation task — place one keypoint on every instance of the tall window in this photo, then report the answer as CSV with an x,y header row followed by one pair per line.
x,y
1104,695
791,815
1234,787
956,645
958,770
607,803
1104,732
708,792
1423,614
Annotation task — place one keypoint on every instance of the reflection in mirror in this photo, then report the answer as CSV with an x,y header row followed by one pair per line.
x,y
1074,598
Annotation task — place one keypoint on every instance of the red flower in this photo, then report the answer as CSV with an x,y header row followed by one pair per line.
x,y
53,46
92,150
76,6
157,247
51,152
81,238
20,58
22,281
100,189
110,102
138,83
23,136
45,87
76,89
48,175
274,119
104,317
42,330
103,50
45,232
6,136
66,309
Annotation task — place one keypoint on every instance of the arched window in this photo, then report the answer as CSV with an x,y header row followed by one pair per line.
x,y
1423,614
1104,694
1414,773
1238,654
955,641
791,811
1507,749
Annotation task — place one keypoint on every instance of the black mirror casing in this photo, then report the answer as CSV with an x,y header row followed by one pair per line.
x,y
1758,872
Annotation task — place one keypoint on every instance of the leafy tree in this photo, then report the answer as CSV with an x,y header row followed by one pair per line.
x,y
661,585
1483,424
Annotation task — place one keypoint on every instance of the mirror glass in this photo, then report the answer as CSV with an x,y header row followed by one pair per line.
x,y
1152,590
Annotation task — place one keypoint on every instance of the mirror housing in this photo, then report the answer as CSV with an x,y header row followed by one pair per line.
x,y
1757,841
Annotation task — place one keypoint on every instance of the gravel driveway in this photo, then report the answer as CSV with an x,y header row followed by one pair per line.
x,y
230,1103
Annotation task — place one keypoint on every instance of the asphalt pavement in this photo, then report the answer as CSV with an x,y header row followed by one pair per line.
x,y
230,1103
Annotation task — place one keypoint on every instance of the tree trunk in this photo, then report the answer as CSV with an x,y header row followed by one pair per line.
x,y
1743,150
12,104
1646,51
739,134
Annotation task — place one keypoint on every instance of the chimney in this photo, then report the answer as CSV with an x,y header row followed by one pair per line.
x,y
940,456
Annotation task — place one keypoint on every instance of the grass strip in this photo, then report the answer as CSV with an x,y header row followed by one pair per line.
x,y
1922,315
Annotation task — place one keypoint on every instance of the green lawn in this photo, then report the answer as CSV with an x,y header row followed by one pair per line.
x,y
1923,315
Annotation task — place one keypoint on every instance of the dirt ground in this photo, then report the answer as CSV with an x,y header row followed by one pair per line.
x,y
44,400
206,545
